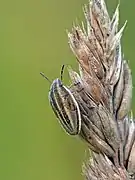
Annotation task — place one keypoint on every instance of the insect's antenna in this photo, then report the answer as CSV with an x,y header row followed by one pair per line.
x,y
42,74
61,73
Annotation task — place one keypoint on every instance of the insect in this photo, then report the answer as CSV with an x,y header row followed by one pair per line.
x,y
64,106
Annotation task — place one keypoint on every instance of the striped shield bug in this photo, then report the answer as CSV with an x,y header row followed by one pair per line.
x,y
65,106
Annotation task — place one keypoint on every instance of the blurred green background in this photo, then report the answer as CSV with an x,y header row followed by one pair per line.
x,y
33,38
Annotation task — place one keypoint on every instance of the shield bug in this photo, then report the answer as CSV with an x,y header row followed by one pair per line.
x,y
65,106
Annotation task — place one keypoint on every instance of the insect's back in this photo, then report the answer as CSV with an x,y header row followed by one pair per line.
x,y
65,107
